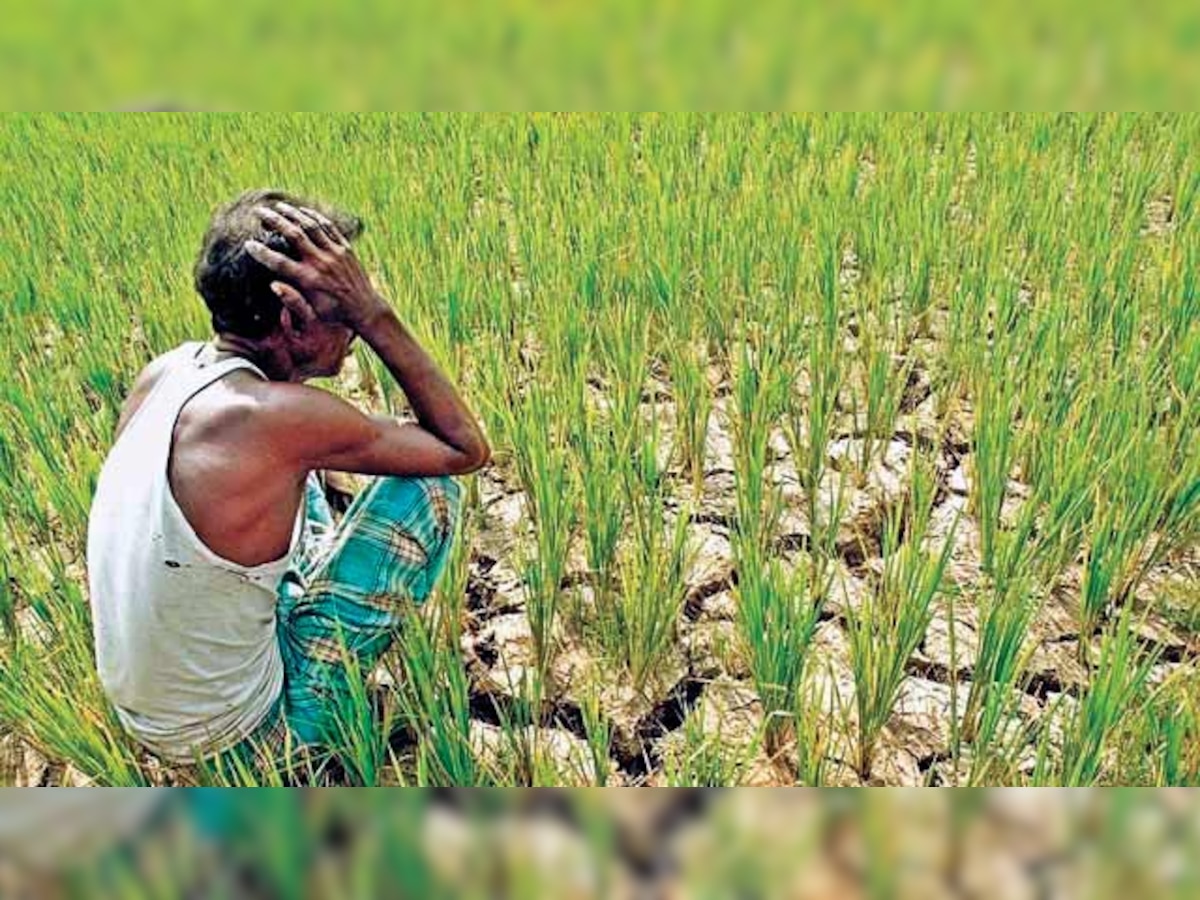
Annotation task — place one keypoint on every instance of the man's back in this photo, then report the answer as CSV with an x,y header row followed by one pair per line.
x,y
185,636
197,515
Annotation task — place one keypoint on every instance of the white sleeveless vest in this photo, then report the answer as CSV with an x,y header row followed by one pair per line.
x,y
185,639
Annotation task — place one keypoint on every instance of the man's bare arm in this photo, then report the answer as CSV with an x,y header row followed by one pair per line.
x,y
328,282
308,428
437,405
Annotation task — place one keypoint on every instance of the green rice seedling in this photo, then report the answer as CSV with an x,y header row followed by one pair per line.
x,y
883,374
920,277
1179,726
545,473
449,596
992,445
271,767
1062,495
604,504
952,594
1160,747
1003,653
884,385
815,717
1039,739
688,364
885,631
518,757
827,532
1006,609
434,704
360,734
705,760
8,599
756,395
638,623
1007,760
598,729
1131,508
568,361
1117,693
498,392
777,617
810,421
1176,527
916,511
51,695
966,315
1106,551
624,341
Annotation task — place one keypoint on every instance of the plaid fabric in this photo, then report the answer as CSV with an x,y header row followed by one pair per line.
x,y
349,584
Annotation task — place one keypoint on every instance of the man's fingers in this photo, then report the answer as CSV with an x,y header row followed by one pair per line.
x,y
274,260
294,301
327,224
311,226
291,230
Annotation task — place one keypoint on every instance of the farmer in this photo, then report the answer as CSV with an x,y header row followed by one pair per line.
x,y
223,596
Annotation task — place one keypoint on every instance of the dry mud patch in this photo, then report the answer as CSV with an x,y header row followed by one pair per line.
x,y
708,665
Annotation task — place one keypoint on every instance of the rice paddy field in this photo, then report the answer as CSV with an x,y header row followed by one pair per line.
x,y
828,450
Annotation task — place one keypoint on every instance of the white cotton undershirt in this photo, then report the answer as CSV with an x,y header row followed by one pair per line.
x,y
185,639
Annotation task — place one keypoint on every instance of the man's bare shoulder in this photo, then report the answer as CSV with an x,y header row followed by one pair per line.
x,y
282,398
295,423
290,411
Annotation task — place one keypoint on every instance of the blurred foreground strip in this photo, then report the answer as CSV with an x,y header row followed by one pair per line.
x,y
592,843
532,54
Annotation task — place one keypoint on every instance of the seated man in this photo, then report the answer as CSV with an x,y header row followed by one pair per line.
x,y
222,593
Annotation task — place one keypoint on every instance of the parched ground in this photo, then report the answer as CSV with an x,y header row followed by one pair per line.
x,y
705,679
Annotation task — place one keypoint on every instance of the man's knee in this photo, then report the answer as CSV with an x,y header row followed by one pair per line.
x,y
442,495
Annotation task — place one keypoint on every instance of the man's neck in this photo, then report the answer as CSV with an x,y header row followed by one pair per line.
x,y
275,366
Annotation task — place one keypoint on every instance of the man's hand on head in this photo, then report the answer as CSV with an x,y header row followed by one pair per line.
x,y
327,281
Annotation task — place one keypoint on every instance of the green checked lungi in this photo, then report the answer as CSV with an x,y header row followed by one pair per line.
x,y
348,586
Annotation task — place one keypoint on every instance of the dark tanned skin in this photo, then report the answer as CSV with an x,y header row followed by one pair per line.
x,y
243,447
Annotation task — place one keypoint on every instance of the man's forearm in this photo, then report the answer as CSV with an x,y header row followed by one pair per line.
x,y
433,397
